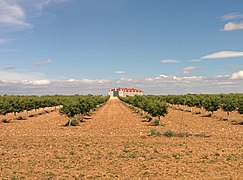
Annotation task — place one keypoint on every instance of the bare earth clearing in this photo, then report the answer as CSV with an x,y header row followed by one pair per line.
x,y
115,144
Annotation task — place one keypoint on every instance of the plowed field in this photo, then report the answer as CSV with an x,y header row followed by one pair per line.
x,y
116,144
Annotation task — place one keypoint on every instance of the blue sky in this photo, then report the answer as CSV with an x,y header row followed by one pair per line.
x,y
89,46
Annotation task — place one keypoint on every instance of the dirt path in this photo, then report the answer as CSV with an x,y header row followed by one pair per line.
x,y
114,144
115,119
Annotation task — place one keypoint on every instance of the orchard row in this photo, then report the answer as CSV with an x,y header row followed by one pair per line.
x,y
157,105
71,105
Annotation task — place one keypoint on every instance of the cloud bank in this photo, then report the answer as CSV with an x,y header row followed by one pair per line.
x,y
161,84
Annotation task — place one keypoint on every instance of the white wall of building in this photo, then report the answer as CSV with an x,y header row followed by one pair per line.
x,y
124,93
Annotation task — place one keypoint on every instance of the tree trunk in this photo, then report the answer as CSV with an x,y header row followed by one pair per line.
x,y
228,115
202,111
15,115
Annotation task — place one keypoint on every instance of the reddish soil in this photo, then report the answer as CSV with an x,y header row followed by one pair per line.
x,y
116,144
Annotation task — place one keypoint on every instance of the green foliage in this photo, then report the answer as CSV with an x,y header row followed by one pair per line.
x,y
228,105
157,105
157,108
156,122
154,132
18,104
76,106
169,133
210,104
74,121
72,105
154,105
240,107
81,104
70,109
150,104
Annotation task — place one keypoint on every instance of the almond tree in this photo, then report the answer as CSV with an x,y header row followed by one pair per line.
x,y
240,107
228,105
210,104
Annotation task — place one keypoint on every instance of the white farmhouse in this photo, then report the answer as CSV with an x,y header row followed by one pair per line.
x,y
123,92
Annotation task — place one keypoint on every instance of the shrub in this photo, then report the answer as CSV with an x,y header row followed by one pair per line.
x,y
156,122
154,132
75,120
228,105
240,107
210,104
169,133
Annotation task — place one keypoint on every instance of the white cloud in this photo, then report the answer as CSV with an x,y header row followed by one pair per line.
x,y
40,4
232,16
88,81
120,72
12,75
220,76
189,68
36,82
237,75
71,80
193,78
169,61
43,62
12,14
223,54
195,60
149,79
172,78
232,26
185,72
102,81
126,79
17,13
163,76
